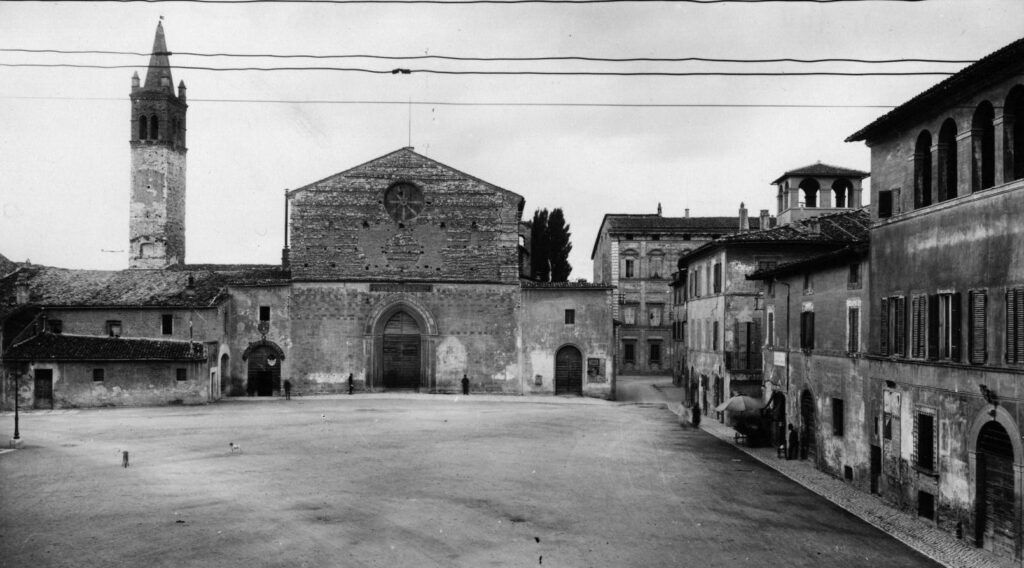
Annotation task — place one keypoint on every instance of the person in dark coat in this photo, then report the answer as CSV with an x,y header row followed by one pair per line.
x,y
350,383
695,415
287,389
465,384
794,443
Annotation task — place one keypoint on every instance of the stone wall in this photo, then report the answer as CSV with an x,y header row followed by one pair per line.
x,y
157,213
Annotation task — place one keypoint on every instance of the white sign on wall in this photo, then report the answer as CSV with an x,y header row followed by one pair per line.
x,y
780,358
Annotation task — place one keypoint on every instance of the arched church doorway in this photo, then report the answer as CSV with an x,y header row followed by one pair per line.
x,y
264,375
401,362
996,518
808,448
568,371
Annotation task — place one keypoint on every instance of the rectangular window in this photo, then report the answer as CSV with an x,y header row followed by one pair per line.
x,y
167,324
893,333
714,337
654,352
655,264
838,418
264,313
884,204
944,326
853,330
629,315
977,338
1015,325
771,329
181,374
654,312
808,283
718,278
887,425
807,330
97,375
853,281
630,270
114,328
629,352
925,443
570,316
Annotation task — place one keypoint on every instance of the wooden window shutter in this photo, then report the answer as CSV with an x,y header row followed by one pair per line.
x,y
933,326
810,334
916,342
1011,328
755,339
852,317
740,329
1018,325
956,326
883,337
901,326
977,300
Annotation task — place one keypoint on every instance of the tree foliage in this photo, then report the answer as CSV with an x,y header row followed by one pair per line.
x,y
550,246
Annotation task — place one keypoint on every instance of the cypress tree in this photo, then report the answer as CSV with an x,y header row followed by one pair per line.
x,y
558,246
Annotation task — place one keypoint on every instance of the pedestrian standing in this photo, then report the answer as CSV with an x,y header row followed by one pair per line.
x,y
287,389
695,415
350,383
465,384
794,443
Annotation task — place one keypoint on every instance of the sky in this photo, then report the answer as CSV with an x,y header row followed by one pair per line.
x,y
557,140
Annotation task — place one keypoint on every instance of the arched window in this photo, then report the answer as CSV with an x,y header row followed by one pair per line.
x,y
946,154
983,148
842,190
154,127
143,131
923,170
810,187
1013,135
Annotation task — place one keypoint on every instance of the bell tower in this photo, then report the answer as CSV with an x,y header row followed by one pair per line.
x,y
157,214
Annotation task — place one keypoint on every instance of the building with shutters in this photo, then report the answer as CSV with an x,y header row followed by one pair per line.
x,y
638,254
401,273
946,322
814,364
725,311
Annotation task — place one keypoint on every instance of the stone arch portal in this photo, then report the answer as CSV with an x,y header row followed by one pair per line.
x,y
995,463
403,336
264,368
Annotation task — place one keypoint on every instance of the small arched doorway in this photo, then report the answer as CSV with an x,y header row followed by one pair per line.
x,y
808,448
568,371
264,376
996,517
225,377
401,361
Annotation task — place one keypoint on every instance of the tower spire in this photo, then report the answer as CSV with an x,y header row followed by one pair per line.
x,y
158,76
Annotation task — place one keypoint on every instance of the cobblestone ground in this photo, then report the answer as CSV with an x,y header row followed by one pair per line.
x,y
919,535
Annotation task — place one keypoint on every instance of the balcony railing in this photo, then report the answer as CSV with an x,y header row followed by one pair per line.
x,y
743,361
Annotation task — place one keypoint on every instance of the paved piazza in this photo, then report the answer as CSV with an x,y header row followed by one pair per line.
x,y
415,480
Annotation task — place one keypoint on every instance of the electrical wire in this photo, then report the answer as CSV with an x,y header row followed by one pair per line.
x,y
463,2
496,59
407,71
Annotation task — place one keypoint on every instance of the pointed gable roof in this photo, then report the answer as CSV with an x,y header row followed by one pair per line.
x,y
159,64
412,165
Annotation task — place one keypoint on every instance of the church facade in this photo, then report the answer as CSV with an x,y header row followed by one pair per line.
x,y
398,274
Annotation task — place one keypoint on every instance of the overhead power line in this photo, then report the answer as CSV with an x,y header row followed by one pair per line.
x,y
477,103
462,2
496,59
406,71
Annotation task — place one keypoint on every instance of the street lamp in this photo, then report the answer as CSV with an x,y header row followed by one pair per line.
x,y
16,441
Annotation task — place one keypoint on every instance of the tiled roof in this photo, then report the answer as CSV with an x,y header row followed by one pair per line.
x,y
817,261
994,67
851,226
820,169
649,223
6,265
134,288
531,285
63,347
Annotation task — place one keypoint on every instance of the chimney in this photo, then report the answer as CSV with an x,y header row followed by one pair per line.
x,y
814,227
687,212
765,219
659,209
744,221
286,261
22,293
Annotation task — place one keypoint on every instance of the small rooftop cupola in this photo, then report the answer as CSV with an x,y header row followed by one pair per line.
x,y
135,82
817,189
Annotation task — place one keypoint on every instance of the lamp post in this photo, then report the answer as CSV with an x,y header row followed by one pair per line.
x,y
16,440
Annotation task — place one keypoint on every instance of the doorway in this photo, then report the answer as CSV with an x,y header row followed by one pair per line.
x,y
569,371
42,394
996,517
264,372
401,362
808,447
